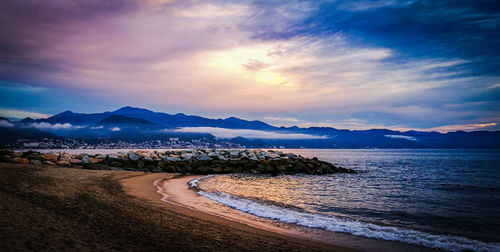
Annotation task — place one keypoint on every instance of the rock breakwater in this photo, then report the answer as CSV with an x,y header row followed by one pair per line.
x,y
201,161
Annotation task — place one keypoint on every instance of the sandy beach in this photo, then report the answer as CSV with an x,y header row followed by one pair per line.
x,y
51,208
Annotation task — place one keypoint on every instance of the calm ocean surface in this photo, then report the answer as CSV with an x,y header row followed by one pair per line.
x,y
448,199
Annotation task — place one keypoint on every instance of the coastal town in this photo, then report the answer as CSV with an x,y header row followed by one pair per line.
x,y
71,143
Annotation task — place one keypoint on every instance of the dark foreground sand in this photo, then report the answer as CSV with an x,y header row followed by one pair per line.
x,y
50,208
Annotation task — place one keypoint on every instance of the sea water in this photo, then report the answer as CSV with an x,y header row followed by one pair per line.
x,y
446,199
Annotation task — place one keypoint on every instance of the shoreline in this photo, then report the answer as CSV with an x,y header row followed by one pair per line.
x,y
174,190
179,198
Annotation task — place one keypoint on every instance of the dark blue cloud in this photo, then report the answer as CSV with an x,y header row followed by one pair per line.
x,y
464,29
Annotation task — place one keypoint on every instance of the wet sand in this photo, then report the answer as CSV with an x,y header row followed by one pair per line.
x,y
175,190
50,208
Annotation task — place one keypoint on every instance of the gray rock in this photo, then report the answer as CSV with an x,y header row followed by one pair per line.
x,y
262,154
274,155
174,159
35,162
234,154
148,159
186,156
132,156
203,157
47,162
86,159
112,158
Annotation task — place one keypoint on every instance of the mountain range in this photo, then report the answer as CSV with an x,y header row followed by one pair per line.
x,y
138,124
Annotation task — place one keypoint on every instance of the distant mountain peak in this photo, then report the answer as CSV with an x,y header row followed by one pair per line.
x,y
27,120
66,113
4,119
119,119
131,109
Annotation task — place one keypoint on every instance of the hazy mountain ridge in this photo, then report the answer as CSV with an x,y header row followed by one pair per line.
x,y
135,124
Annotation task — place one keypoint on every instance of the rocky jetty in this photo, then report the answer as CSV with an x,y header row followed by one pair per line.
x,y
209,161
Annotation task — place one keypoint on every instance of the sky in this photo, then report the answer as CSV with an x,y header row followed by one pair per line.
x,y
404,65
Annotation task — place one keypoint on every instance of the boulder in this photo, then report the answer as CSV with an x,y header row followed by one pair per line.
x,y
132,156
76,161
186,156
51,158
203,157
65,156
86,159
143,153
234,154
35,162
47,162
95,160
53,153
112,158
63,163
20,160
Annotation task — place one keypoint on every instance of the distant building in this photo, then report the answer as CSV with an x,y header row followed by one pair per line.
x,y
31,144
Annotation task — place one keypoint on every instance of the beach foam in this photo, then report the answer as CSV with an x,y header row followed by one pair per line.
x,y
344,225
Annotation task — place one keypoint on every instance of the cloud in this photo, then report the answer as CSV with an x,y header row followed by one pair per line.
x,y
372,5
5,123
231,133
19,114
494,86
114,129
96,127
56,126
409,138
321,62
464,127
